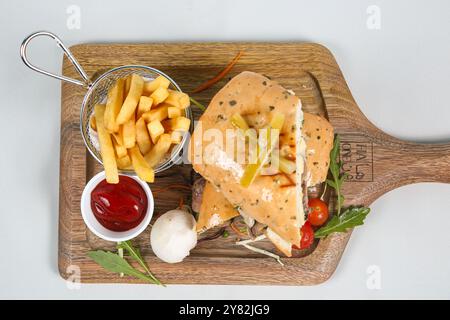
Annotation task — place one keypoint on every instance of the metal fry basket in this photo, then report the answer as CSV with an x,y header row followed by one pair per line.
x,y
97,91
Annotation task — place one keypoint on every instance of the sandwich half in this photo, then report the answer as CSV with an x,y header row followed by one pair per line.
x,y
274,198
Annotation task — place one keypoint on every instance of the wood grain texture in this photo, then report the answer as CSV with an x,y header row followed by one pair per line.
x,y
375,161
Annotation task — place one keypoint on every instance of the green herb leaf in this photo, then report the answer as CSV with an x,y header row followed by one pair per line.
x,y
335,169
197,104
340,200
350,218
112,262
331,183
335,151
136,255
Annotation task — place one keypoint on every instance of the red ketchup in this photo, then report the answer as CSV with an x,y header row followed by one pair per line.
x,y
121,206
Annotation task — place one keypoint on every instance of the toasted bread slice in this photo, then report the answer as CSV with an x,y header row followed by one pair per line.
x,y
214,209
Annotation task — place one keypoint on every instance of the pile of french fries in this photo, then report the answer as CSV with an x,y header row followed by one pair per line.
x,y
138,124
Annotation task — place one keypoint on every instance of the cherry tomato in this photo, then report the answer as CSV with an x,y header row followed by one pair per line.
x,y
318,213
307,234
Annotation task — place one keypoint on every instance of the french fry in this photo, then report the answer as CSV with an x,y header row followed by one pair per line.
x,y
159,150
121,151
127,85
129,133
184,101
151,86
167,125
145,104
178,99
180,123
117,137
159,95
93,123
124,163
173,112
106,146
142,168
173,98
132,99
155,129
142,137
159,113
176,136
113,104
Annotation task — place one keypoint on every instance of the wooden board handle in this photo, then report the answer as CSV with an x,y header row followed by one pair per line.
x,y
426,162
378,163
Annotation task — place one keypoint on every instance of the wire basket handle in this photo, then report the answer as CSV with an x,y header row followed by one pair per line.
x,y
23,54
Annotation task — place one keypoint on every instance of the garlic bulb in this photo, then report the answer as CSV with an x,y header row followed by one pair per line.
x,y
173,236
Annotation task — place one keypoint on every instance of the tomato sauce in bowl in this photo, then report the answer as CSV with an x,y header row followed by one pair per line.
x,y
119,207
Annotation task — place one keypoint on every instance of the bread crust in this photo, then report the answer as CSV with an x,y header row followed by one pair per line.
x,y
214,209
319,136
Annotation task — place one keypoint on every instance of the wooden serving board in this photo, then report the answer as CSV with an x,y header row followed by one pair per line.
x,y
375,161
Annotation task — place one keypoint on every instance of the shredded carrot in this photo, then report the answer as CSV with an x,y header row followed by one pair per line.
x,y
236,229
290,183
289,178
172,186
181,202
220,75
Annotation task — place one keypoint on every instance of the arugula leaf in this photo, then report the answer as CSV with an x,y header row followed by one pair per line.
x,y
350,218
135,253
331,183
335,169
114,263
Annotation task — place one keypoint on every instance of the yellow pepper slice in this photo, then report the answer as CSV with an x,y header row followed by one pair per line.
x,y
277,121
252,170
239,122
287,166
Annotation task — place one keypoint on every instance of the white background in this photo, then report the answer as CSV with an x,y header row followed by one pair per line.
x,y
399,76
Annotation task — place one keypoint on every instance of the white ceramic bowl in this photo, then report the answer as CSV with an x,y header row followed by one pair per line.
x,y
95,226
